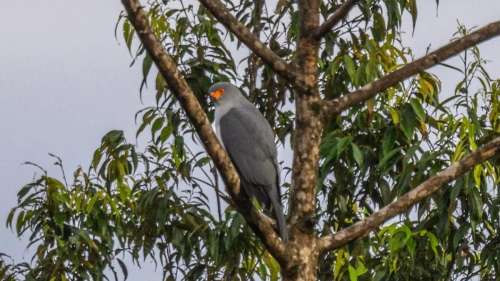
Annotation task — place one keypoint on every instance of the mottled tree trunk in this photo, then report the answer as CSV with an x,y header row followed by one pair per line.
x,y
303,254
302,249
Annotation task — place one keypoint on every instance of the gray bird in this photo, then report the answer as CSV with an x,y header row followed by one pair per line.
x,y
249,140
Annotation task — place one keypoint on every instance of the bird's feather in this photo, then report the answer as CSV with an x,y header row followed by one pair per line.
x,y
249,141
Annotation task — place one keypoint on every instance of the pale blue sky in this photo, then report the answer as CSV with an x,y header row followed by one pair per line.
x,y
65,81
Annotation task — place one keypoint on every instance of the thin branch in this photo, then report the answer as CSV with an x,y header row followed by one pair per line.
x,y
412,197
280,66
334,19
217,192
370,90
261,225
253,59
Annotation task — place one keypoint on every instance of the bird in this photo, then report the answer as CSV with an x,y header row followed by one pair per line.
x,y
248,139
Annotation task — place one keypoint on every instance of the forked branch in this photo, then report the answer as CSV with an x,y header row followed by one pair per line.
x,y
336,106
180,88
334,19
245,35
412,197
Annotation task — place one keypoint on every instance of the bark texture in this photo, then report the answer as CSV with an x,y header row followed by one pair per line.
x,y
302,249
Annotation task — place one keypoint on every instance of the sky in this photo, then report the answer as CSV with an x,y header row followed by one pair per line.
x,y
65,81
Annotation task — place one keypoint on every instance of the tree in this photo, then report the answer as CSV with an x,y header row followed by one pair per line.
x,y
391,179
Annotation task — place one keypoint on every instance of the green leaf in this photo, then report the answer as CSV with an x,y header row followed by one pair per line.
x,y
395,116
146,67
379,275
418,109
412,8
123,190
408,122
333,147
411,245
213,245
351,69
360,268
54,183
357,154
477,203
478,169
10,217
113,138
273,266
91,203
157,124
378,30
382,164
128,34
434,242
353,274
123,268
388,141
20,222
23,191
166,132
96,158
146,120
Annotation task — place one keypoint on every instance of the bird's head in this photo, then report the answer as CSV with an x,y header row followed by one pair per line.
x,y
223,92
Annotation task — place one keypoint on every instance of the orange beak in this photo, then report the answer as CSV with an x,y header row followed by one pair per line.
x,y
217,94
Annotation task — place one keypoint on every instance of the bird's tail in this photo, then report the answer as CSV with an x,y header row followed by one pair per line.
x,y
280,219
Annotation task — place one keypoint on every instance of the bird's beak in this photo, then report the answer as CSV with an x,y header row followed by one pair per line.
x,y
217,94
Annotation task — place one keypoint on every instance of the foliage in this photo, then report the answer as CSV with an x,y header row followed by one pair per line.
x,y
163,203
10,271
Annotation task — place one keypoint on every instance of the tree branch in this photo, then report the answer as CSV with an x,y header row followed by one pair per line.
x,y
370,90
253,58
167,67
422,191
288,71
334,19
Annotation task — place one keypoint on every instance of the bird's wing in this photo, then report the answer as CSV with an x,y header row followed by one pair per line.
x,y
249,141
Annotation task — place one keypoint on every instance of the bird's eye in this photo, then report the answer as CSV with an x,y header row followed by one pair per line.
x,y
217,94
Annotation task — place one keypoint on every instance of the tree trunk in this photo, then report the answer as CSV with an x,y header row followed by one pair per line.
x,y
303,252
